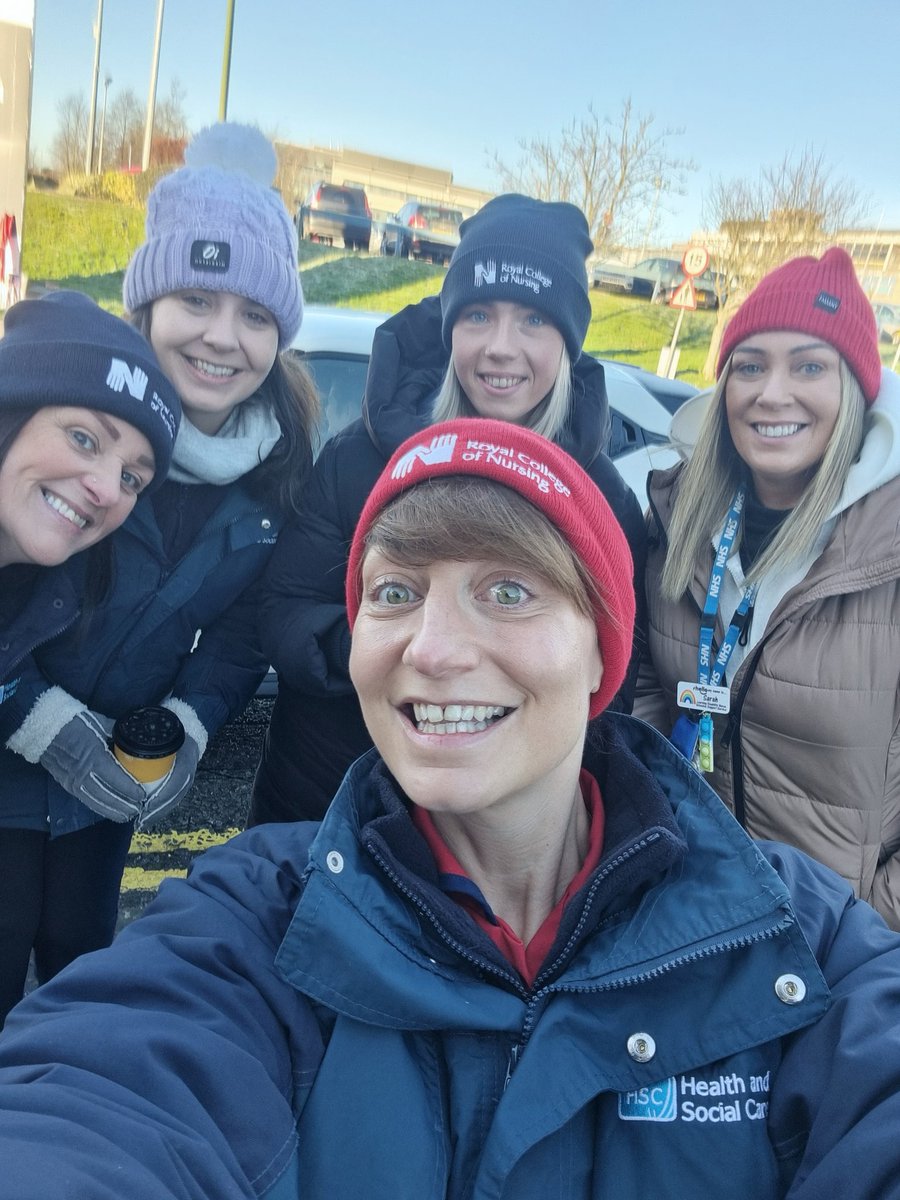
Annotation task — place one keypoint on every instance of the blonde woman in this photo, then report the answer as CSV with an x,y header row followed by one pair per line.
x,y
772,582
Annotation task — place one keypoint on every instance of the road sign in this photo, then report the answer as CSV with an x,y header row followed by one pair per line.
x,y
684,295
695,262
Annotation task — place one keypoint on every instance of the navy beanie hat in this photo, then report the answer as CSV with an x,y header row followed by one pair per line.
x,y
65,350
530,252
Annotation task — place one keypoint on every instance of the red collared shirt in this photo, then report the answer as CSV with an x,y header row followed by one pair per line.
x,y
529,959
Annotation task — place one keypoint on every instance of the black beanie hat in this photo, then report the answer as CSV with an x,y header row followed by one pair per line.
x,y
530,252
65,350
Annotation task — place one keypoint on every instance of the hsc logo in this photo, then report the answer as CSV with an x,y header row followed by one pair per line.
x,y
656,1103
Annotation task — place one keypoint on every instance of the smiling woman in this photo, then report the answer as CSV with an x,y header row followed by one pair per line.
x,y
515,947
781,529
87,423
214,290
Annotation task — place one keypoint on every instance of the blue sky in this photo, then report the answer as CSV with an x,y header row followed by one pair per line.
x,y
446,84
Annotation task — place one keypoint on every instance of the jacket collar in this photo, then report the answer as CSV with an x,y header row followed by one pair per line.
x,y
374,937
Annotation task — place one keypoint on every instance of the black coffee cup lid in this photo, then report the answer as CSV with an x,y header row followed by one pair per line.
x,y
151,732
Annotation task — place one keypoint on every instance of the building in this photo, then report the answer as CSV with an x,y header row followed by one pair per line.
x,y
388,182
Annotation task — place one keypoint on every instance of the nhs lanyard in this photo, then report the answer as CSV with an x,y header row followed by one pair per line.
x,y
707,671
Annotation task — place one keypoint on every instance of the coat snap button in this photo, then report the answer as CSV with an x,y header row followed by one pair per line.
x,y
266,523
58,603
334,861
790,989
641,1047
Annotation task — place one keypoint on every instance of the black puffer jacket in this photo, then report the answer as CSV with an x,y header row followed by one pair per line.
x,y
317,729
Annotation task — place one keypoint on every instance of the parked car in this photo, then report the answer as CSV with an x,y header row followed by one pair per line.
x,y
888,318
333,211
335,343
657,279
422,230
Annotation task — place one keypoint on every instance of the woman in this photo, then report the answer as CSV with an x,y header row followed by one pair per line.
x,y
513,961
503,340
87,425
782,531
216,291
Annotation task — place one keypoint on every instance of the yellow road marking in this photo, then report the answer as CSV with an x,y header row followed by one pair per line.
x,y
196,840
172,839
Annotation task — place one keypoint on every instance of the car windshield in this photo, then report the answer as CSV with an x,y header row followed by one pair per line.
x,y
341,199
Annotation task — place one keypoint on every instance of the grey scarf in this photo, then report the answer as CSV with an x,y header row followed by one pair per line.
x,y
246,439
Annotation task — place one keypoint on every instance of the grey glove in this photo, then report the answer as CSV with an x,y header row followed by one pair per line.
x,y
174,786
80,760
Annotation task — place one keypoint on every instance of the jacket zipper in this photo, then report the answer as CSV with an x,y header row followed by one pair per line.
x,y
731,738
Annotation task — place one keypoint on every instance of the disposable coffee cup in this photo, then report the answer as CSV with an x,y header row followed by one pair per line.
x,y
146,740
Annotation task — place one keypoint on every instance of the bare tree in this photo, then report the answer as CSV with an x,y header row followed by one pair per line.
x,y
70,142
792,208
124,129
615,171
170,121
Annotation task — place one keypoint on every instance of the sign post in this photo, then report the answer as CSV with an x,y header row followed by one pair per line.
x,y
694,262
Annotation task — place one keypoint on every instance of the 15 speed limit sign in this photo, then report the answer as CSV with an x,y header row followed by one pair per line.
x,y
695,261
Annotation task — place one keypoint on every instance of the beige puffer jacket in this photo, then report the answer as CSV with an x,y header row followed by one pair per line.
x,y
810,753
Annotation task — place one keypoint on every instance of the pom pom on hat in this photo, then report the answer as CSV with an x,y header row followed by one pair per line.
x,y
818,296
234,148
554,483
217,224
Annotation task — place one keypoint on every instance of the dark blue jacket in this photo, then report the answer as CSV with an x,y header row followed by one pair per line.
x,y
309,1015
317,729
136,647
49,606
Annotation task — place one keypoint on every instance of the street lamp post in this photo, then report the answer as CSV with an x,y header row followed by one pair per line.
x,y
226,62
151,99
106,82
98,33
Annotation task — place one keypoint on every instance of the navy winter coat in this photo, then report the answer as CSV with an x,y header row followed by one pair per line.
x,y
316,727
49,605
309,1015
137,647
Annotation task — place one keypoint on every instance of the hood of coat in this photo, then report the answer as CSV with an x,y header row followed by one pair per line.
x,y
409,361
879,459
366,944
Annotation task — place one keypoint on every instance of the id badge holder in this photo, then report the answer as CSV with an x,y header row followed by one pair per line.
x,y
685,736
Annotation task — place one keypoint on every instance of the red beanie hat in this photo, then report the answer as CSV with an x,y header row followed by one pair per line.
x,y
819,296
553,482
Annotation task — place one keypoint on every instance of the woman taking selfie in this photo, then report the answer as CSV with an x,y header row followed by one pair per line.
x,y
520,957
774,578
503,340
215,290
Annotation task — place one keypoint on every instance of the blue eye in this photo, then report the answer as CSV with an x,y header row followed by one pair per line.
x,y
746,368
811,368
535,319
393,594
132,482
83,440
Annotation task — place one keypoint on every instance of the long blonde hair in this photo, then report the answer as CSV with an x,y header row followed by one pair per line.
x,y
548,418
714,472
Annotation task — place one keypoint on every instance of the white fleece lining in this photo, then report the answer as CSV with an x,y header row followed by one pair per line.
x,y
193,726
51,711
